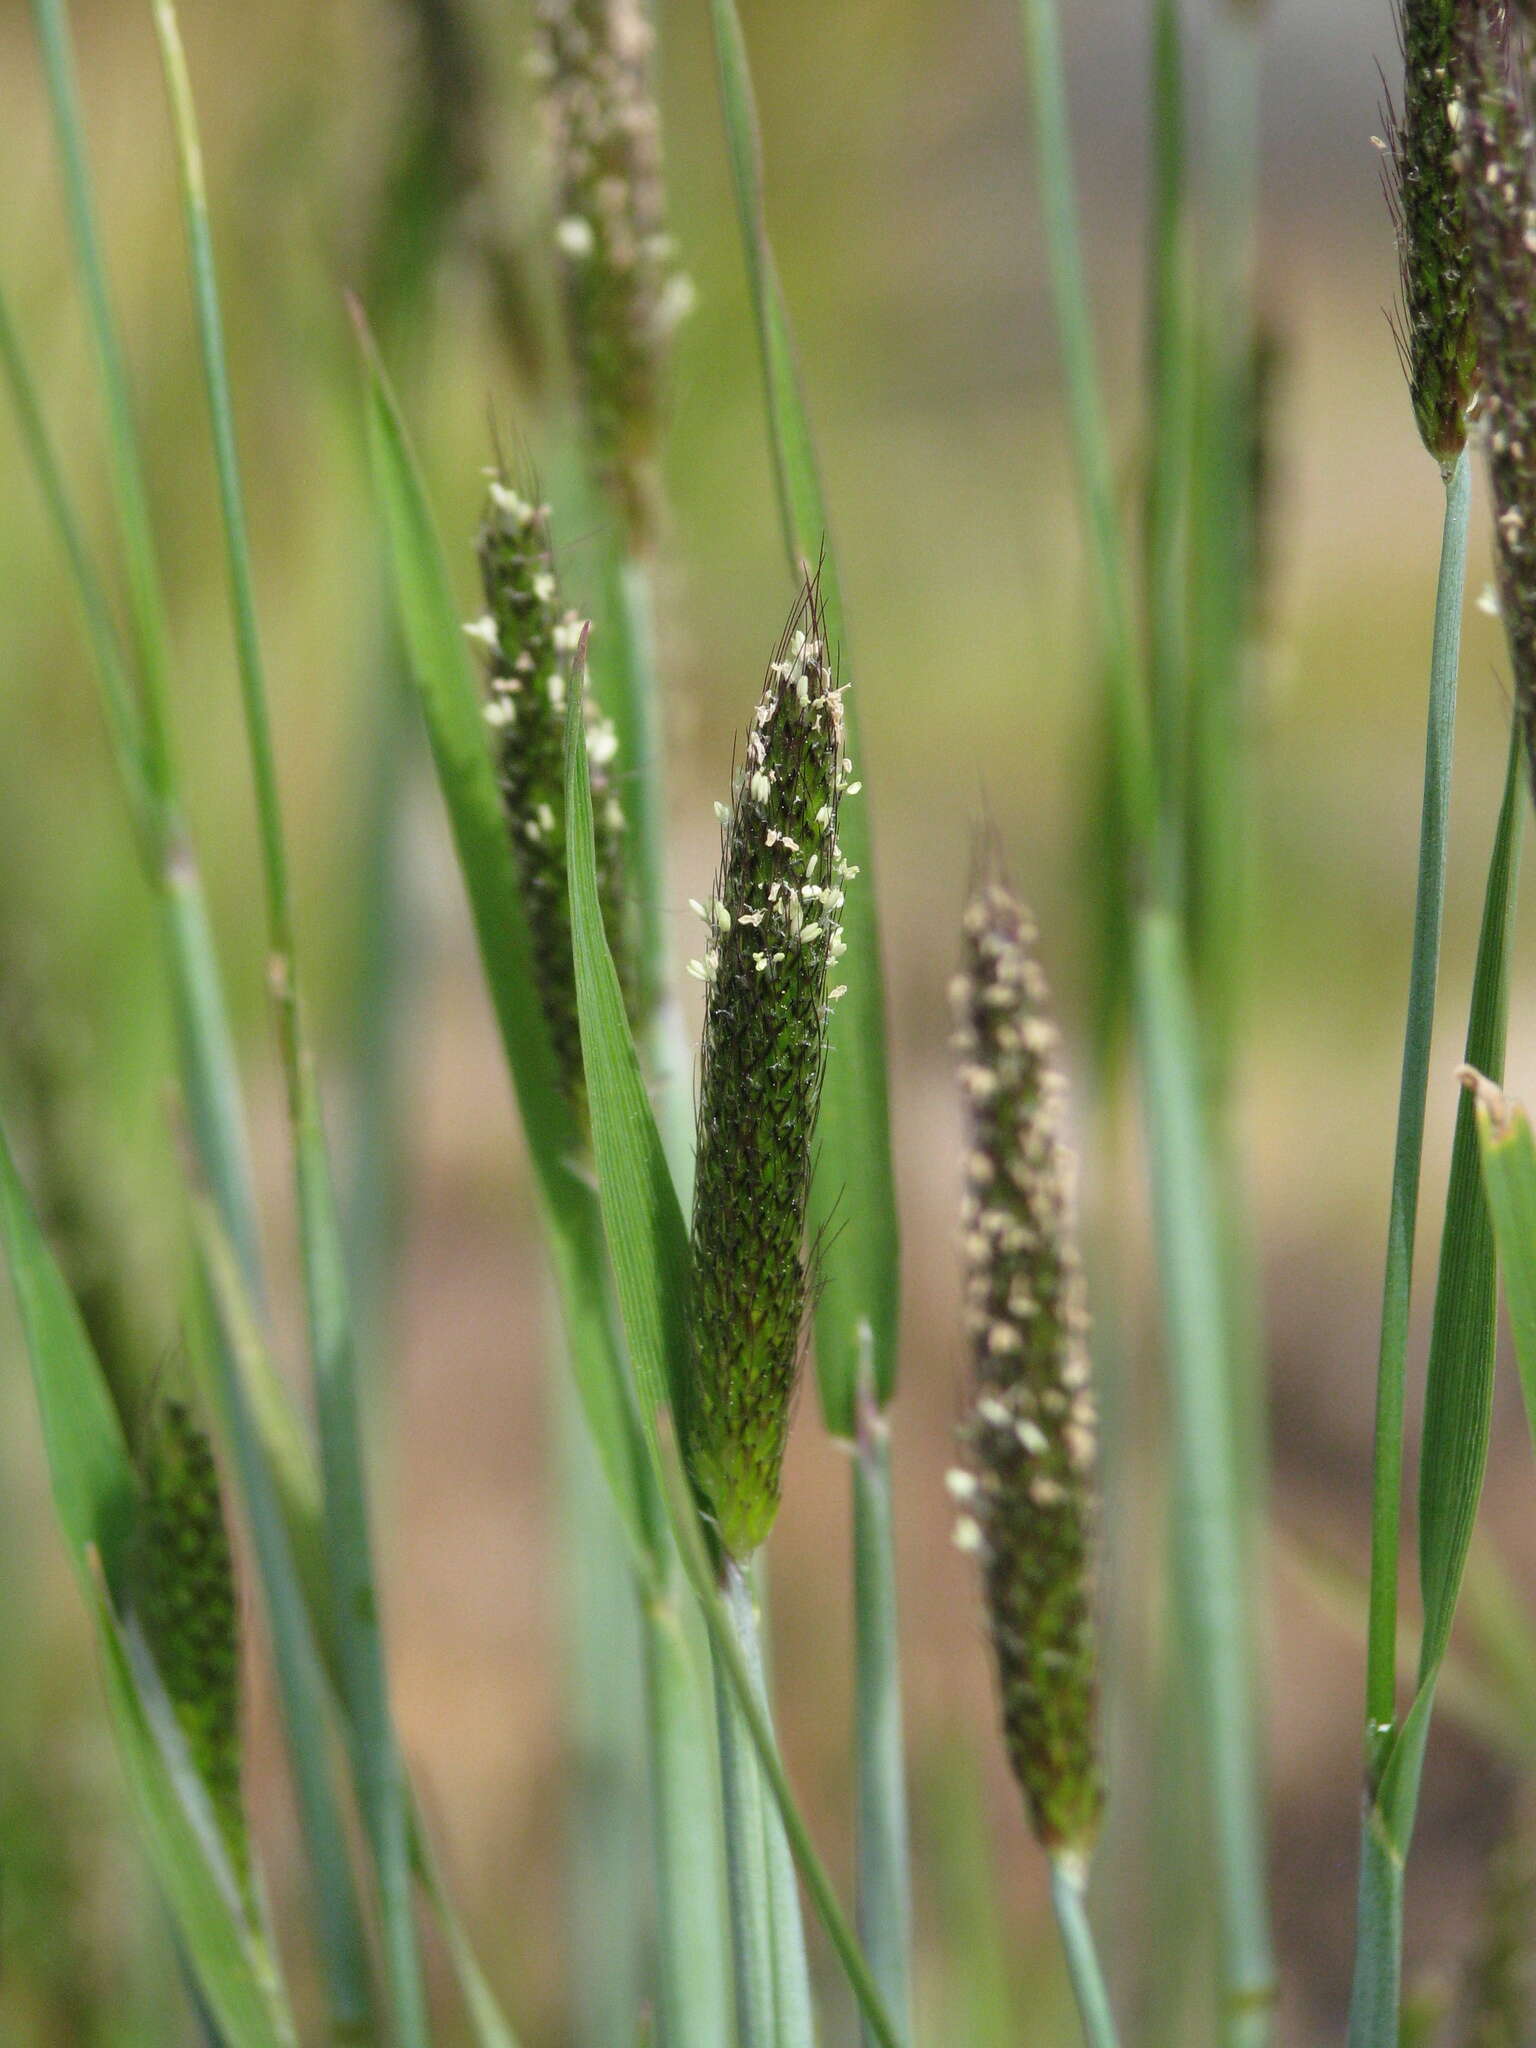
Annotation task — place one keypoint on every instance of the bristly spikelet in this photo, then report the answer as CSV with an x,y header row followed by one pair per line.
x,y
773,935
1030,1437
188,1606
1495,158
621,290
1434,327
528,642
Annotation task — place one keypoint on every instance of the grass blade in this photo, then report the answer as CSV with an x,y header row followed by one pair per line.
x,y
853,1193
450,704
1423,974
1457,1409
1459,1384
1210,1539
376,1763
125,466
1508,1156
95,1489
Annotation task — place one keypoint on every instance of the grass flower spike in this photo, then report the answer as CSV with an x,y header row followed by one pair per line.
x,y
187,1602
528,640
772,939
1435,326
1496,161
1030,1437
622,294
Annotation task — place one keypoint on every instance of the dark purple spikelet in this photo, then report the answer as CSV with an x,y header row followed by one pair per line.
x,y
528,639
1434,324
1025,1487
774,934
1495,158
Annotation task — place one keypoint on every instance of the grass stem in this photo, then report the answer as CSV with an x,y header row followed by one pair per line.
x,y
1069,1886
884,1891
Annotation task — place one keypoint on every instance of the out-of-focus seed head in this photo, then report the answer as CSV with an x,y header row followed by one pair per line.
x,y
1434,327
1498,1992
528,639
623,293
772,940
186,1599
1495,159
1024,1490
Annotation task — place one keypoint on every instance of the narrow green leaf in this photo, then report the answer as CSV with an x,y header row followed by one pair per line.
x,y
1457,1410
376,1763
1458,1395
93,1479
94,1490
853,1196
234,1972
1509,1182
455,727
1423,975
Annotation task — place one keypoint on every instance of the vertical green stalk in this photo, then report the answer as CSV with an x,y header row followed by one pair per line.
x,y
1211,1538
376,1761
693,1998
1194,1308
606,1817
1423,975
1069,1886
1135,761
745,1841
884,1893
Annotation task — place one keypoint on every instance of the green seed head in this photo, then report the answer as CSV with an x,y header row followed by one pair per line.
x,y
188,1605
528,641
773,936
621,290
1499,177
1030,1437
1434,326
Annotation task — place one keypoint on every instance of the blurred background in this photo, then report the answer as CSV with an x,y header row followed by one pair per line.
x,y
902,202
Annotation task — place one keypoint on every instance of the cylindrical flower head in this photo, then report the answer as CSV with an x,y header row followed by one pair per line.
x,y
1499,175
1025,1488
188,1606
773,938
528,641
1434,327
621,290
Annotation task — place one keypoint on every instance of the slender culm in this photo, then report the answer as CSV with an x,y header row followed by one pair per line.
x,y
773,936
1499,176
1029,1439
187,1602
528,640
621,290
1434,325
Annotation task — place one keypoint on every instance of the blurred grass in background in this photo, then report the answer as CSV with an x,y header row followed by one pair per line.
x,y
907,231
